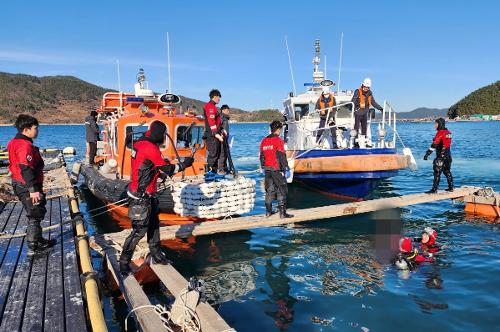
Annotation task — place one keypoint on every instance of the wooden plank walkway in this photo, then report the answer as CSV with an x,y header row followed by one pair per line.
x,y
42,293
303,215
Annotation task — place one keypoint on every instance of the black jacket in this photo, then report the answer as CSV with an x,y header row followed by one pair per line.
x,y
91,129
225,121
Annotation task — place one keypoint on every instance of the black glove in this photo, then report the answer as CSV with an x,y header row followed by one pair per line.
x,y
427,154
187,162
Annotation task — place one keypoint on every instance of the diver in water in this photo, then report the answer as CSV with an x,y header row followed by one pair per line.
x,y
408,257
428,241
442,162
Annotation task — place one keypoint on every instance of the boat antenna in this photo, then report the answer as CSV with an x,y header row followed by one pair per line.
x,y
168,64
325,67
340,59
118,75
290,63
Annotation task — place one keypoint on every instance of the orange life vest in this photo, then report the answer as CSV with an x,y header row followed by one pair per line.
x,y
362,102
323,105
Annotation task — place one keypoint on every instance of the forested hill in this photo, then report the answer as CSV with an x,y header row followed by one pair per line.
x,y
67,99
52,99
485,100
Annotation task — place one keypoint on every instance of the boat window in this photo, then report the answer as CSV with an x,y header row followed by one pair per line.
x,y
188,136
133,133
300,110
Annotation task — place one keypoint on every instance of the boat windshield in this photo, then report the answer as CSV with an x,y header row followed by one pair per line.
x,y
300,110
188,136
133,133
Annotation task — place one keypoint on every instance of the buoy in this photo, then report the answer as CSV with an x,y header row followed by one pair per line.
x,y
69,150
75,173
109,166
412,163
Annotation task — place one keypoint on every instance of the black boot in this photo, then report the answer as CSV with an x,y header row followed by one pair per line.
x,y
269,209
283,213
449,178
36,248
432,191
125,269
160,258
46,243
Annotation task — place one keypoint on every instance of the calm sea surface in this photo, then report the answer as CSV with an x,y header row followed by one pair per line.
x,y
335,274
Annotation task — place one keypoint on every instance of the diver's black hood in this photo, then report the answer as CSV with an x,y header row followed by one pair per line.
x,y
441,124
156,132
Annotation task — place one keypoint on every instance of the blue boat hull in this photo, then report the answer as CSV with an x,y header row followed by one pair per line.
x,y
344,185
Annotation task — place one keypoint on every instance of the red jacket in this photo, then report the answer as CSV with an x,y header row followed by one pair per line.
x,y
212,119
272,153
25,162
442,142
147,161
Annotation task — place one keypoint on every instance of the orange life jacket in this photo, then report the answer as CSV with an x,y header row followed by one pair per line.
x,y
362,102
323,105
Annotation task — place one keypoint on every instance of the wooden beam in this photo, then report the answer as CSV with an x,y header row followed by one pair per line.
x,y
210,320
134,295
303,215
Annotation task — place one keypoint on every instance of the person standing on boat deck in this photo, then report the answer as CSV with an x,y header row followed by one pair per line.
x,y
222,162
273,162
324,106
363,100
92,135
442,162
26,166
147,166
213,135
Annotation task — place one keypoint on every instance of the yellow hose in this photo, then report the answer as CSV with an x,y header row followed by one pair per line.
x,y
96,315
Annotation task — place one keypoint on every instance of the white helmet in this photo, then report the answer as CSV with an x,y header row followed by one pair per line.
x,y
326,90
367,82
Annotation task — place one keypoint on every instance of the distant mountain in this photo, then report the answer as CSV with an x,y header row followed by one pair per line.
x,y
52,99
485,100
423,112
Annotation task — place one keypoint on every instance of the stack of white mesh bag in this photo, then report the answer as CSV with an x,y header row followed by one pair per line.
x,y
215,199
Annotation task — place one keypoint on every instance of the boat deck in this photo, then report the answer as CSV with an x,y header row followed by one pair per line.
x,y
40,293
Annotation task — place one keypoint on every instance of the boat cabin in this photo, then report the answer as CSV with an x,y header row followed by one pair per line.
x,y
127,116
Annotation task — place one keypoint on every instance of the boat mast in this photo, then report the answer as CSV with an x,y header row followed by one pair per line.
x,y
168,64
317,74
340,61
290,64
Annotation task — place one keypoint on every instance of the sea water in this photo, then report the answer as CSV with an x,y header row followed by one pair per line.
x,y
336,274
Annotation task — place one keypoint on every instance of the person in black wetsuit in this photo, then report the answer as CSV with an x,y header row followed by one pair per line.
x,y
442,163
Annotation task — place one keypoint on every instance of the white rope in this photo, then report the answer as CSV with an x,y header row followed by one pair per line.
x,y
190,322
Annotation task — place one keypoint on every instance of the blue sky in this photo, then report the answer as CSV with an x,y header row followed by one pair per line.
x,y
418,53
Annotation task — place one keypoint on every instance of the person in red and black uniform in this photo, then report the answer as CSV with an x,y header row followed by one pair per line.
x,y
409,257
273,162
147,166
213,130
26,166
442,162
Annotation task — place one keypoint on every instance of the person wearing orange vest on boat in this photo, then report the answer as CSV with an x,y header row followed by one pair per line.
x,y
213,130
143,209
274,164
363,100
26,166
324,106
442,162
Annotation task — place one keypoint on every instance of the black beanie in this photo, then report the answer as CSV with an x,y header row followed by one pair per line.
x,y
156,132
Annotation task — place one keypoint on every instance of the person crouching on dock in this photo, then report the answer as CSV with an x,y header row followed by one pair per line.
x,y
273,162
26,166
143,210
442,162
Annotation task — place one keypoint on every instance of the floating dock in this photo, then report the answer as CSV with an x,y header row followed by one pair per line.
x,y
56,291
302,215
